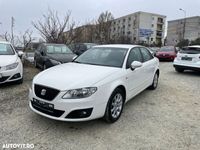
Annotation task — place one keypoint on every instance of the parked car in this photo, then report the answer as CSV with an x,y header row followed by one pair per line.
x,y
96,84
154,49
29,57
79,48
48,55
11,68
188,59
166,53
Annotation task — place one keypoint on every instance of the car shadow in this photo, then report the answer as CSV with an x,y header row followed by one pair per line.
x,y
187,73
8,85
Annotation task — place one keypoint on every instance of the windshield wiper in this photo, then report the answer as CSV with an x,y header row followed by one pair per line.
x,y
77,62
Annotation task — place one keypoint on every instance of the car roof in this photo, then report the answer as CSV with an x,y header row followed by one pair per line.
x,y
128,46
5,42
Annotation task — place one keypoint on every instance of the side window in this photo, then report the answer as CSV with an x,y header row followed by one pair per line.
x,y
146,54
134,55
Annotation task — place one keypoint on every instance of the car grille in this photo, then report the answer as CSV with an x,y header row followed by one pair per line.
x,y
52,112
49,93
3,79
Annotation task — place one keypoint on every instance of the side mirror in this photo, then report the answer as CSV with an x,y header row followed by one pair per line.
x,y
20,54
135,64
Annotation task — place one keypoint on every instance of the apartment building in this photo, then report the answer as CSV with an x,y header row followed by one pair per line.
x,y
185,28
140,27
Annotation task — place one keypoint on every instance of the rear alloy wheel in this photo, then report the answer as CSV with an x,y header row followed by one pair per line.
x,y
155,82
115,106
179,70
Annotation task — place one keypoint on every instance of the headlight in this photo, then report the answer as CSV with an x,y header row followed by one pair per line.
x,y
12,66
79,93
55,62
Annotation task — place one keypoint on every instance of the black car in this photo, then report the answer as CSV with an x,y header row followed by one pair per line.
x,y
48,55
79,48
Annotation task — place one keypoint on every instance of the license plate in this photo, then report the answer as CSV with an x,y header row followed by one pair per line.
x,y
43,104
187,58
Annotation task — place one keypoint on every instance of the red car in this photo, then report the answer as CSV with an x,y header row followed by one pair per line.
x,y
166,53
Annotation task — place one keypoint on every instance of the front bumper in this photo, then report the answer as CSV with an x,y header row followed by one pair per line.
x,y
11,75
166,57
66,109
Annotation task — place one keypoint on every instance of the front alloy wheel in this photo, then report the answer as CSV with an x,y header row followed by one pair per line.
x,y
115,106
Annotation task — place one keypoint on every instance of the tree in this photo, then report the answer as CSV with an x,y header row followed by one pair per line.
x,y
52,28
103,27
25,39
182,43
195,42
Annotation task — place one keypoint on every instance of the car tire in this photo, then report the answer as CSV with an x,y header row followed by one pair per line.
x,y
115,106
35,64
44,67
179,70
154,85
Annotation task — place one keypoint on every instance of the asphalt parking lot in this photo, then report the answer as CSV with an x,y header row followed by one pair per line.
x,y
167,118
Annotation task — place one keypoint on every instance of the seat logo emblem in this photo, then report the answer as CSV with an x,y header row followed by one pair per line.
x,y
43,92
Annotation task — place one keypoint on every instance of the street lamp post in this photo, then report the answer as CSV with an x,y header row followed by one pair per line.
x,y
184,22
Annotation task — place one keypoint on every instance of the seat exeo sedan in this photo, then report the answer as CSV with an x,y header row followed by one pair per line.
x,y
188,59
166,53
96,84
11,68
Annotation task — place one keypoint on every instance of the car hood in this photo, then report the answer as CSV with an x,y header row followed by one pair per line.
x,y
7,59
73,75
63,58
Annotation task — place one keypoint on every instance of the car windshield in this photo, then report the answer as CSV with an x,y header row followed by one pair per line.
x,y
6,49
167,48
190,50
58,49
103,56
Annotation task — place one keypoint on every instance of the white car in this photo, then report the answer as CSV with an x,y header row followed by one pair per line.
x,y
96,84
11,68
188,59
29,57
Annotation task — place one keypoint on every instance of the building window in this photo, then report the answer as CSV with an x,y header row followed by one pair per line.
x,y
152,25
124,20
151,39
129,18
152,18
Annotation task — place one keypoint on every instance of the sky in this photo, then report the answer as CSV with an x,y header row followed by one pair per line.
x,y
26,11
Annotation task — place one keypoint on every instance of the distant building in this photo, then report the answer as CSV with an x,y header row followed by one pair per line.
x,y
188,28
140,27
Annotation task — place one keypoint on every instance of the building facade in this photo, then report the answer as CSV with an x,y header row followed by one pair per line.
x,y
140,27
186,28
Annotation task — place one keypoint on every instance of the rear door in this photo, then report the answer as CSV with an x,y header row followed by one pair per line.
x,y
148,66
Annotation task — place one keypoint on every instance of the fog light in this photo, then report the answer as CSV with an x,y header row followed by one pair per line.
x,y
81,113
16,76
